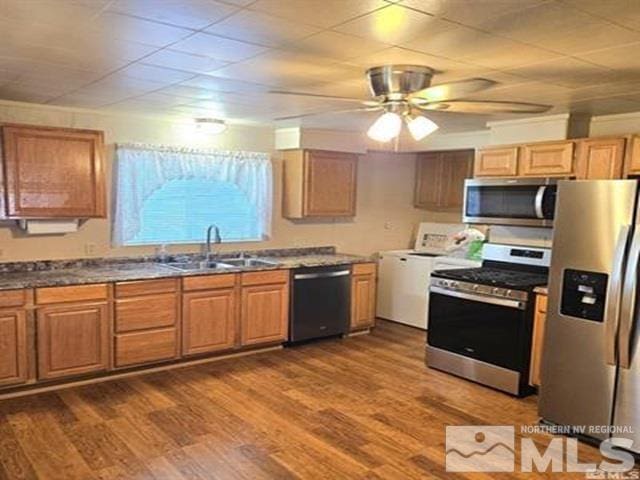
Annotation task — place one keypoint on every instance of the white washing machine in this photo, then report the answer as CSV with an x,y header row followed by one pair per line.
x,y
403,275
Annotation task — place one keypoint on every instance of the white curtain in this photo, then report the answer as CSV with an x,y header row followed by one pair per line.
x,y
142,169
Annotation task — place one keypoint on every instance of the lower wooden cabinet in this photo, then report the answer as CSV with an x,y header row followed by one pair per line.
x,y
73,339
13,347
208,320
363,295
146,346
537,340
264,307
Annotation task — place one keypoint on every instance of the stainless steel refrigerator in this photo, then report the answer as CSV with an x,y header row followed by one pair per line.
x,y
591,362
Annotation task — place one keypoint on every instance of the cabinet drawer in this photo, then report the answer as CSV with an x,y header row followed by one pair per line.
x,y
146,287
152,311
12,298
209,282
74,293
266,277
144,347
364,268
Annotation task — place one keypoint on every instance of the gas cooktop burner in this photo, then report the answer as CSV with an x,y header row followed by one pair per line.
x,y
495,277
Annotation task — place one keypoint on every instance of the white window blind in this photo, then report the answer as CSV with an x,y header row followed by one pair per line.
x,y
170,195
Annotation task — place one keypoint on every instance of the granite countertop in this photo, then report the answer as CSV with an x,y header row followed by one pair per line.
x,y
543,290
69,273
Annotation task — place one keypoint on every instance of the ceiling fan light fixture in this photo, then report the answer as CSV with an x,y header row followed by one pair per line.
x,y
213,126
386,127
420,127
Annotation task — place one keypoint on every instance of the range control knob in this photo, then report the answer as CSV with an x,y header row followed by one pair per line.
x,y
495,290
475,287
509,293
455,284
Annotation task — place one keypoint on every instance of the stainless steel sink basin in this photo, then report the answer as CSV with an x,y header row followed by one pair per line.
x,y
194,266
249,262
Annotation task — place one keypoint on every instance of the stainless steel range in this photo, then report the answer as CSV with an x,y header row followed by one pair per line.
x,y
481,319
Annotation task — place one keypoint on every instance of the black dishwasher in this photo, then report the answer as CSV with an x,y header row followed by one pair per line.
x,y
320,302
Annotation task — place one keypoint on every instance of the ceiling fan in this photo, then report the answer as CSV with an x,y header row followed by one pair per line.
x,y
401,92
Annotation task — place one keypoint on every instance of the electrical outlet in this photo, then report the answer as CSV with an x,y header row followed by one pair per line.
x,y
90,248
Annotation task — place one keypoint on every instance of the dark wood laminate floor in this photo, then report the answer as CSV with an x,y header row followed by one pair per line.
x,y
363,407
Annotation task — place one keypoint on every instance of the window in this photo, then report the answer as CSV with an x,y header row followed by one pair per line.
x,y
168,195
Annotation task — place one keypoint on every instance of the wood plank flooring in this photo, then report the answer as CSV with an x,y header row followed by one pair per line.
x,y
363,407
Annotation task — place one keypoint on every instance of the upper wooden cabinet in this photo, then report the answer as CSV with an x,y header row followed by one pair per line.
x,y
319,183
52,173
440,179
632,161
600,158
496,162
547,159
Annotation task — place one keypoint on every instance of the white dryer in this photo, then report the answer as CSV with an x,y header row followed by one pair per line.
x,y
403,275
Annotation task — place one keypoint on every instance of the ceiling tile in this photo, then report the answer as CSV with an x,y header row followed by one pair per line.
x,y
111,25
466,44
626,12
22,92
622,58
392,25
184,61
330,44
78,100
261,28
220,84
153,73
560,28
321,13
118,87
605,106
66,14
567,72
195,14
218,47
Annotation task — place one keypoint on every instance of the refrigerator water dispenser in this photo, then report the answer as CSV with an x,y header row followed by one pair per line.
x,y
584,294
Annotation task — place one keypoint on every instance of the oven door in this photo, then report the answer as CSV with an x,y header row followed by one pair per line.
x,y
489,329
510,202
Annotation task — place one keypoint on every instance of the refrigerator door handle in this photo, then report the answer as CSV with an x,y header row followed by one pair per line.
x,y
613,297
628,307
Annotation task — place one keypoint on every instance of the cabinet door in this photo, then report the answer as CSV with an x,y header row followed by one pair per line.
x,y
330,184
537,340
547,159
633,157
265,313
363,295
208,320
456,167
72,339
53,172
496,162
13,347
429,180
600,158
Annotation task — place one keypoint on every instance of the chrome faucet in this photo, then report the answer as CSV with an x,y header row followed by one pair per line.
x,y
217,238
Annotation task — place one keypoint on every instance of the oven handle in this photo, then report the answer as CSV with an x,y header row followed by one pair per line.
x,y
503,302
539,201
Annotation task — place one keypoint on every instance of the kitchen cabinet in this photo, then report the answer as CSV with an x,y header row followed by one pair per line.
x,y
496,162
147,321
539,320
73,339
600,158
209,313
264,307
440,179
52,172
547,159
13,347
632,160
363,295
319,183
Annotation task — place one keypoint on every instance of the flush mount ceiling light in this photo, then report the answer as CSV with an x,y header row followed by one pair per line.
x,y
210,125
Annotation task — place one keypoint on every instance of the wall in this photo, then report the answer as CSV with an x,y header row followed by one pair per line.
x,y
385,218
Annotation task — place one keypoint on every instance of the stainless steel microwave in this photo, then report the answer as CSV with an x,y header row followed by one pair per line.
x,y
514,201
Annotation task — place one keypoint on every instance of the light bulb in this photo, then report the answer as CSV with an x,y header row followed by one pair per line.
x,y
386,127
210,125
420,127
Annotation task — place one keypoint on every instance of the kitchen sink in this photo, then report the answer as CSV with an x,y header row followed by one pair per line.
x,y
194,266
249,262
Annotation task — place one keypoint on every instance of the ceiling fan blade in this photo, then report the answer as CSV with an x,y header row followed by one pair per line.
x,y
450,90
484,107
330,112
319,95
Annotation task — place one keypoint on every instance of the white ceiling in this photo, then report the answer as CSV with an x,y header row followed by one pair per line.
x,y
220,57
